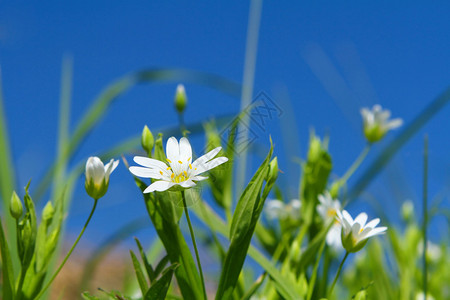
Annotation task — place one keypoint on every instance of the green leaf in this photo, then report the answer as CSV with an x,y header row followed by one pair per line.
x,y
7,268
256,285
139,275
162,263
243,225
88,296
204,212
148,267
158,290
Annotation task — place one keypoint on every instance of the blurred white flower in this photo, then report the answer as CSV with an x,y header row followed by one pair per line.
x,y
178,171
355,233
276,209
376,123
328,209
421,296
97,176
434,252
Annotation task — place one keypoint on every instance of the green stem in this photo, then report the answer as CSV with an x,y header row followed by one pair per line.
x,y
312,281
337,274
425,214
355,164
194,243
69,253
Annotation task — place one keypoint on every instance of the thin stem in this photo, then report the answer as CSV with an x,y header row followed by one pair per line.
x,y
70,251
337,274
312,281
181,122
355,164
194,243
425,213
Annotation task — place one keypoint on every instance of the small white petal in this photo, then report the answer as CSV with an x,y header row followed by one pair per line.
x,y
159,186
361,219
376,231
205,158
210,165
95,170
394,124
146,172
347,217
187,184
373,223
172,149
199,178
110,167
150,163
185,151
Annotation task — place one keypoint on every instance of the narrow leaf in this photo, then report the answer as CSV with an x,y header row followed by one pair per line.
x,y
158,290
139,275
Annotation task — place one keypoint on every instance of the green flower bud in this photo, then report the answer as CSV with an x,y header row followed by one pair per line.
x,y
147,140
408,211
48,212
15,207
315,149
180,99
97,176
273,170
334,190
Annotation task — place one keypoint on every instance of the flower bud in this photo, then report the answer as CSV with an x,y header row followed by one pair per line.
x,y
48,212
97,176
407,211
15,207
180,99
315,149
273,170
147,140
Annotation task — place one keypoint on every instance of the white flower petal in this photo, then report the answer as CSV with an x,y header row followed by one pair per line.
x,y
185,151
373,223
205,158
376,231
172,150
209,165
147,173
347,217
199,178
361,219
159,186
394,124
187,184
150,163
95,170
110,167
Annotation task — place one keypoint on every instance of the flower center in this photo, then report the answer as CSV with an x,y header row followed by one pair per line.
x,y
331,212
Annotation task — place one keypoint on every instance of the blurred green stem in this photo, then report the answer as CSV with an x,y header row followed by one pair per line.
x,y
355,164
425,213
183,196
337,274
70,251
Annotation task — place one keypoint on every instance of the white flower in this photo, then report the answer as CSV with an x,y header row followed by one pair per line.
x,y
355,233
377,124
179,169
97,176
328,209
421,296
276,209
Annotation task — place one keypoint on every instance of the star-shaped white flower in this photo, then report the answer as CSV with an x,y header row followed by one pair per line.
x,y
355,233
328,209
376,123
276,209
178,170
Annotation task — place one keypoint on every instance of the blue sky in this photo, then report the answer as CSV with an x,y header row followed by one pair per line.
x,y
329,59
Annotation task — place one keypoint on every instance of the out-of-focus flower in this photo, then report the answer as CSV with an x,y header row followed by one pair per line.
x,y
421,296
97,176
434,252
179,171
376,123
355,233
328,209
276,209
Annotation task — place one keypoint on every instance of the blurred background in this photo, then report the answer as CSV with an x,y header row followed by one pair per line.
x,y
318,62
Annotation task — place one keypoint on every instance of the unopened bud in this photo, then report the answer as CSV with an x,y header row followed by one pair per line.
x,y
48,212
15,207
315,149
273,170
147,140
180,99
407,211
